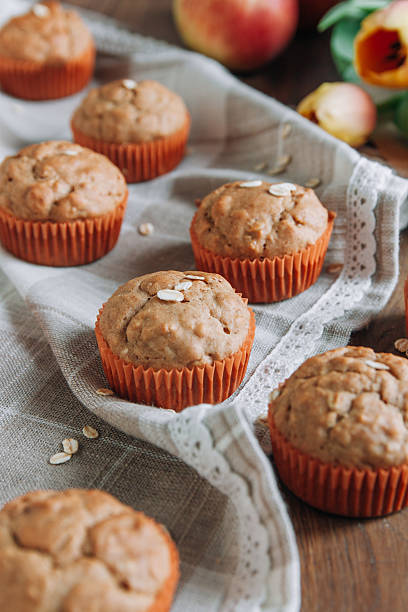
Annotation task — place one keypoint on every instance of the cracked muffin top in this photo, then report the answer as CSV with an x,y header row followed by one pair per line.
x,y
59,181
47,34
256,219
200,320
347,406
80,549
127,111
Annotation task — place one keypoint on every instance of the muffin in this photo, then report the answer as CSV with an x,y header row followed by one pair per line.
x,y
60,204
173,339
268,240
46,53
82,549
339,431
142,127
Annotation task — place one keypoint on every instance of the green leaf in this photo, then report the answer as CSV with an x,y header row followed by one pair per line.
x,y
349,74
401,115
371,5
342,39
357,9
339,12
390,105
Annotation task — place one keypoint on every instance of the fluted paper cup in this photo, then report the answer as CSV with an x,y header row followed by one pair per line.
x,y
69,243
176,388
41,81
338,489
267,280
140,161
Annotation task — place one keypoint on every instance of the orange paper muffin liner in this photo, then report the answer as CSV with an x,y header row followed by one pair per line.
x,y
267,280
140,161
176,388
40,81
165,596
338,489
70,243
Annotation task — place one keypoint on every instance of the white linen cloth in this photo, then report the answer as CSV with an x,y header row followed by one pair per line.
x,y
206,477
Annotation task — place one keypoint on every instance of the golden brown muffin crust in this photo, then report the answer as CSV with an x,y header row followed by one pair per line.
x,y
250,222
59,181
211,322
46,34
129,112
79,550
347,406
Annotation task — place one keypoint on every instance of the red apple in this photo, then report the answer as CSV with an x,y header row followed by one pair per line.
x,y
242,34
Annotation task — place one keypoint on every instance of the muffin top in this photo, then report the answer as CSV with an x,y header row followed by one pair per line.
x,y
59,181
47,34
347,406
143,323
255,219
127,111
61,550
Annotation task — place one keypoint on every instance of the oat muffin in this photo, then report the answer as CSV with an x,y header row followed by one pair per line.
x,y
141,126
248,229
189,328
46,53
347,412
77,195
80,549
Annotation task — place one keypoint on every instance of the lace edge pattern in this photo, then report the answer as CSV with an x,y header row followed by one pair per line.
x,y
348,289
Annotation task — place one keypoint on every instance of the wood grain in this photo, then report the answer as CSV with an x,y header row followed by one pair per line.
x,y
347,565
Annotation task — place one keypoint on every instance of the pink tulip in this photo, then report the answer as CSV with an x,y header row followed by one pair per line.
x,y
342,109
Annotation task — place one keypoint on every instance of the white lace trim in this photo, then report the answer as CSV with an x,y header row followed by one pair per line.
x,y
347,290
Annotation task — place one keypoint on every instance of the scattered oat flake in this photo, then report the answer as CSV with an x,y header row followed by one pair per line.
x,y
276,170
313,182
261,166
377,365
69,152
90,432
170,295
286,130
70,446
401,345
146,229
103,391
251,184
274,394
284,160
282,189
129,83
183,286
60,458
334,268
40,10
193,277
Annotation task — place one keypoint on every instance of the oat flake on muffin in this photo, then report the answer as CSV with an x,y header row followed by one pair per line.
x,y
263,221
204,322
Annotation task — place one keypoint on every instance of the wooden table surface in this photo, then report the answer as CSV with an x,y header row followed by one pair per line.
x,y
347,565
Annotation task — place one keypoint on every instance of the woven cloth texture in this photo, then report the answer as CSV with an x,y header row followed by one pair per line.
x,y
202,473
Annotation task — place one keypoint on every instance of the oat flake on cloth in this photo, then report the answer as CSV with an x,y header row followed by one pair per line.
x,y
202,473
